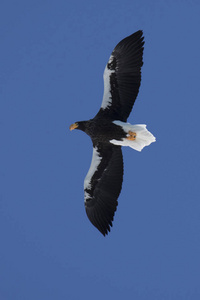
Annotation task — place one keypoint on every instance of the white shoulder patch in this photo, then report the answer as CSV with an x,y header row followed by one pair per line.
x,y
96,159
143,136
107,97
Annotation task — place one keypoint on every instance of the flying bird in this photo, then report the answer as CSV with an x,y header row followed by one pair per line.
x,y
109,131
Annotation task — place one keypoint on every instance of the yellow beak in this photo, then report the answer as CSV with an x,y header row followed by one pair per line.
x,y
73,126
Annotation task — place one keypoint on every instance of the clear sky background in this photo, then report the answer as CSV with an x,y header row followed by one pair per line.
x,y
53,54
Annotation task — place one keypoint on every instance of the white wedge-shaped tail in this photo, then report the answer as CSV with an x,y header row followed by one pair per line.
x,y
137,136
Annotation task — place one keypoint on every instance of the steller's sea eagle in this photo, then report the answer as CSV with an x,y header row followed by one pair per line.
x,y
109,131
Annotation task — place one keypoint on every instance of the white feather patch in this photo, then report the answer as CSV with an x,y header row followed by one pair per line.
x,y
107,97
96,159
143,136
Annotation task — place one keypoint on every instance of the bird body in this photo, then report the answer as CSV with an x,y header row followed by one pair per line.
x,y
101,130
109,131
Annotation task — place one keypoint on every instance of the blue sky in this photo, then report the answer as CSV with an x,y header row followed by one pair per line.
x,y
53,54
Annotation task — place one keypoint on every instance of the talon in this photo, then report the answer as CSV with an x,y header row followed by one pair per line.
x,y
131,136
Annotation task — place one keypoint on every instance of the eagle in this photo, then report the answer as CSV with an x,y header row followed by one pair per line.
x,y
109,131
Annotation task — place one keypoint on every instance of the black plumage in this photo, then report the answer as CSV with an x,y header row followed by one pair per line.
x,y
122,77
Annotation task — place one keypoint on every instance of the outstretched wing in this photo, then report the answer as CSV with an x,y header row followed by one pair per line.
x,y
122,77
102,185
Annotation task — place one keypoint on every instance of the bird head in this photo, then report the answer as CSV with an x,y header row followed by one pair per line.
x,y
82,125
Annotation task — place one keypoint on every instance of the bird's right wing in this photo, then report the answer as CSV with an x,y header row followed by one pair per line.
x,y
122,78
102,185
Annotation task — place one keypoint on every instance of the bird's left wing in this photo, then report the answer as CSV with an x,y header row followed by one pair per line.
x,y
122,78
102,185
